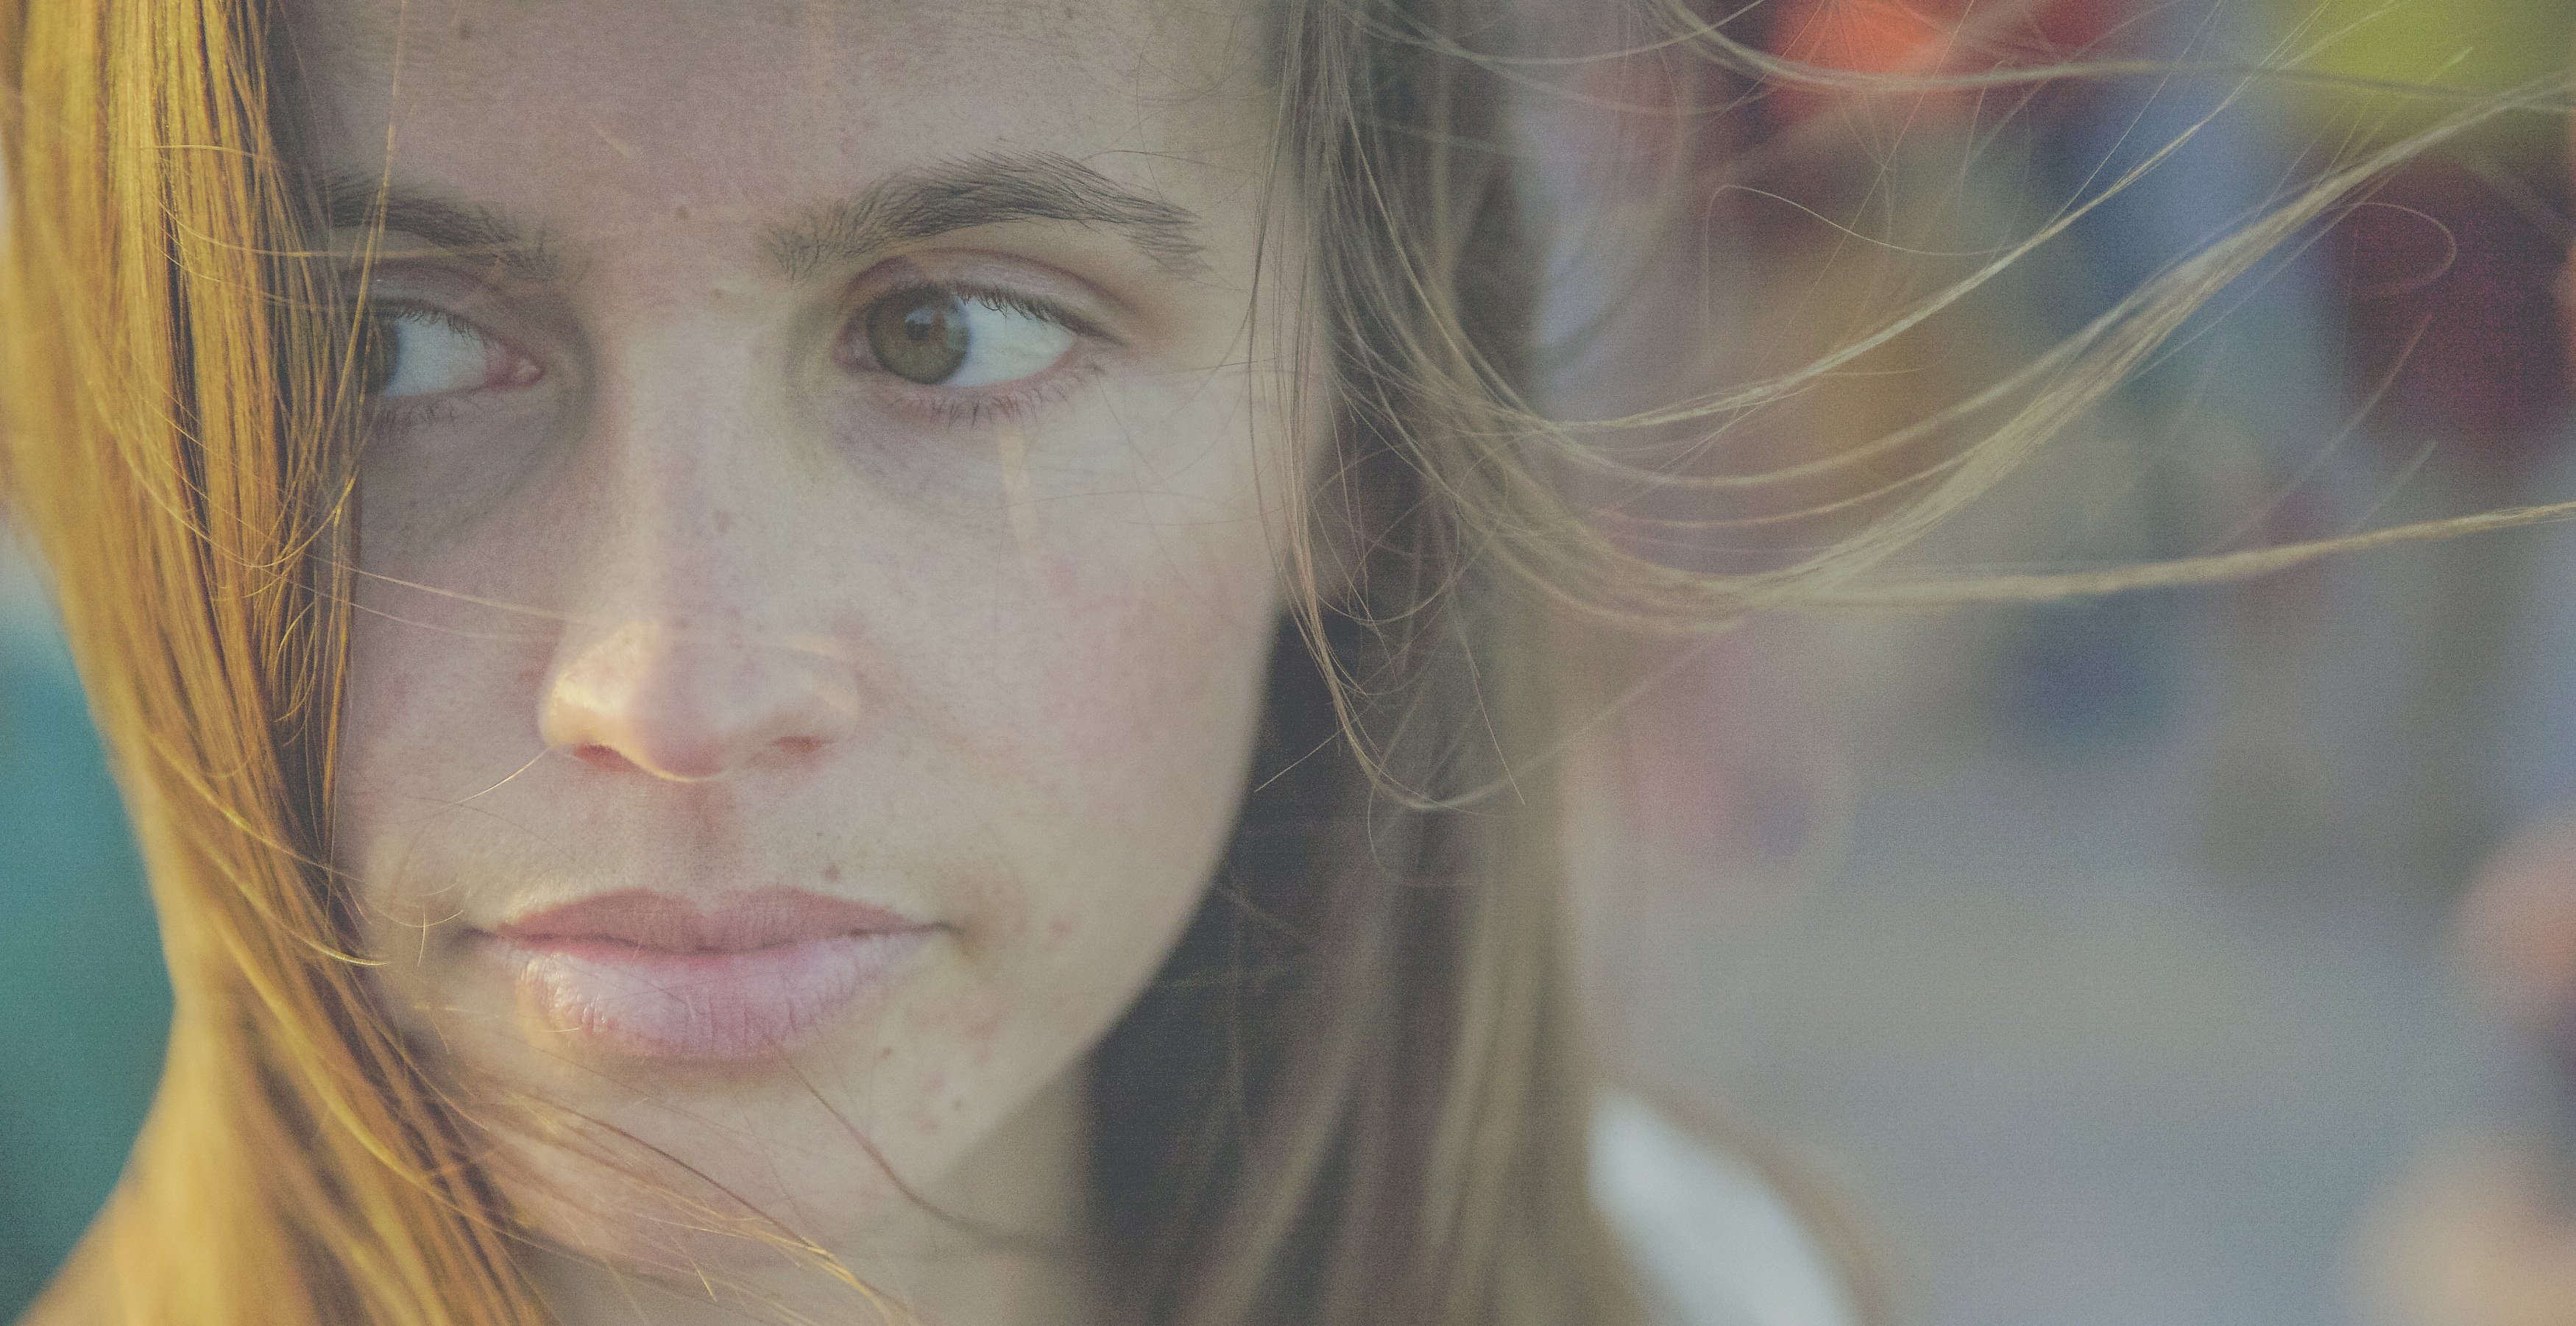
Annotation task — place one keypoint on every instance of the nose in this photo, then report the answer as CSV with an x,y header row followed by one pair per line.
x,y
699,640
689,701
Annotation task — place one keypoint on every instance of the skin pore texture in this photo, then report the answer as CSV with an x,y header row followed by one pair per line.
x,y
675,594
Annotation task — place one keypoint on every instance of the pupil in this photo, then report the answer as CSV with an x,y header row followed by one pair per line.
x,y
919,335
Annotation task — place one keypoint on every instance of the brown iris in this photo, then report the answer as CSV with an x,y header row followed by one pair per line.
x,y
919,335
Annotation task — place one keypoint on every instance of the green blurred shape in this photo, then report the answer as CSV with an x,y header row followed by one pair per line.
x,y
2471,46
80,967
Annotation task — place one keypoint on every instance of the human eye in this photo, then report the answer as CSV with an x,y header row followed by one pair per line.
x,y
960,339
415,352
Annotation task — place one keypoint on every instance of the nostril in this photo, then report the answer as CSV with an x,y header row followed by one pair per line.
x,y
684,704
602,757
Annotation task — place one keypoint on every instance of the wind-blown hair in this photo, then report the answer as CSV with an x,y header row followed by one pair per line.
x,y
1353,1095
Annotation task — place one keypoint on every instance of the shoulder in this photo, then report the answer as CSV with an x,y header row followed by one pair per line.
x,y
1713,1239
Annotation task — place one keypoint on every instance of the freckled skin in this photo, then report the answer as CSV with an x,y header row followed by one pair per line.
x,y
692,614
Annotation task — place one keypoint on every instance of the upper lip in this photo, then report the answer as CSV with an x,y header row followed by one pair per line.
x,y
736,922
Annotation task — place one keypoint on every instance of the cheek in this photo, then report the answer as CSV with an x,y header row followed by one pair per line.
x,y
434,798
438,707
387,743
1122,718
1122,682
1134,741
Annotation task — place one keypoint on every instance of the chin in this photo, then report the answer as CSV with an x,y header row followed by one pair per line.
x,y
687,1198
670,1162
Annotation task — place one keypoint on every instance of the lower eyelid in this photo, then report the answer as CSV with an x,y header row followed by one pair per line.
x,y
404,412
976,406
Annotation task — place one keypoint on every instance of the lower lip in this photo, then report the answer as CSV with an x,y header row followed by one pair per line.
x,y
724,1007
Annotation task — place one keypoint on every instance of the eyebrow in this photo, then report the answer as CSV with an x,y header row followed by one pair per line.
x,y
915,205
352,202
982,191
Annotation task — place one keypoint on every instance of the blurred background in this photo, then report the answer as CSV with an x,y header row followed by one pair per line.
x,y
2106,957
2102,961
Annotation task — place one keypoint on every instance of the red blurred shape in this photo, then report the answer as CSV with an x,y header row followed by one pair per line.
x,y
1932,37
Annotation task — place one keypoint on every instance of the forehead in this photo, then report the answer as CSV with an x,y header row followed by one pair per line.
x,y
757,103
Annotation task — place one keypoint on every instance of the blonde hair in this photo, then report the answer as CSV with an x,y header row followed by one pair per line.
x,y
1353,1095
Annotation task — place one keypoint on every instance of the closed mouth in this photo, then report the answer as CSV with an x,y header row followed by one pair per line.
x,y
743,976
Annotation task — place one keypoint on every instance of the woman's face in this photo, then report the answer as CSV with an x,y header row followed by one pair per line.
x,y
817,534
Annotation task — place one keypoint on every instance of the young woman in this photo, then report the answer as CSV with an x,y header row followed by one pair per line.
x,y
833,661
690,601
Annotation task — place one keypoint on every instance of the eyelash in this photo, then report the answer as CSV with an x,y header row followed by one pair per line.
x,y
406,415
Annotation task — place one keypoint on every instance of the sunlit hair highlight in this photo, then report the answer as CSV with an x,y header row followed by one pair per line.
x,y
170,400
